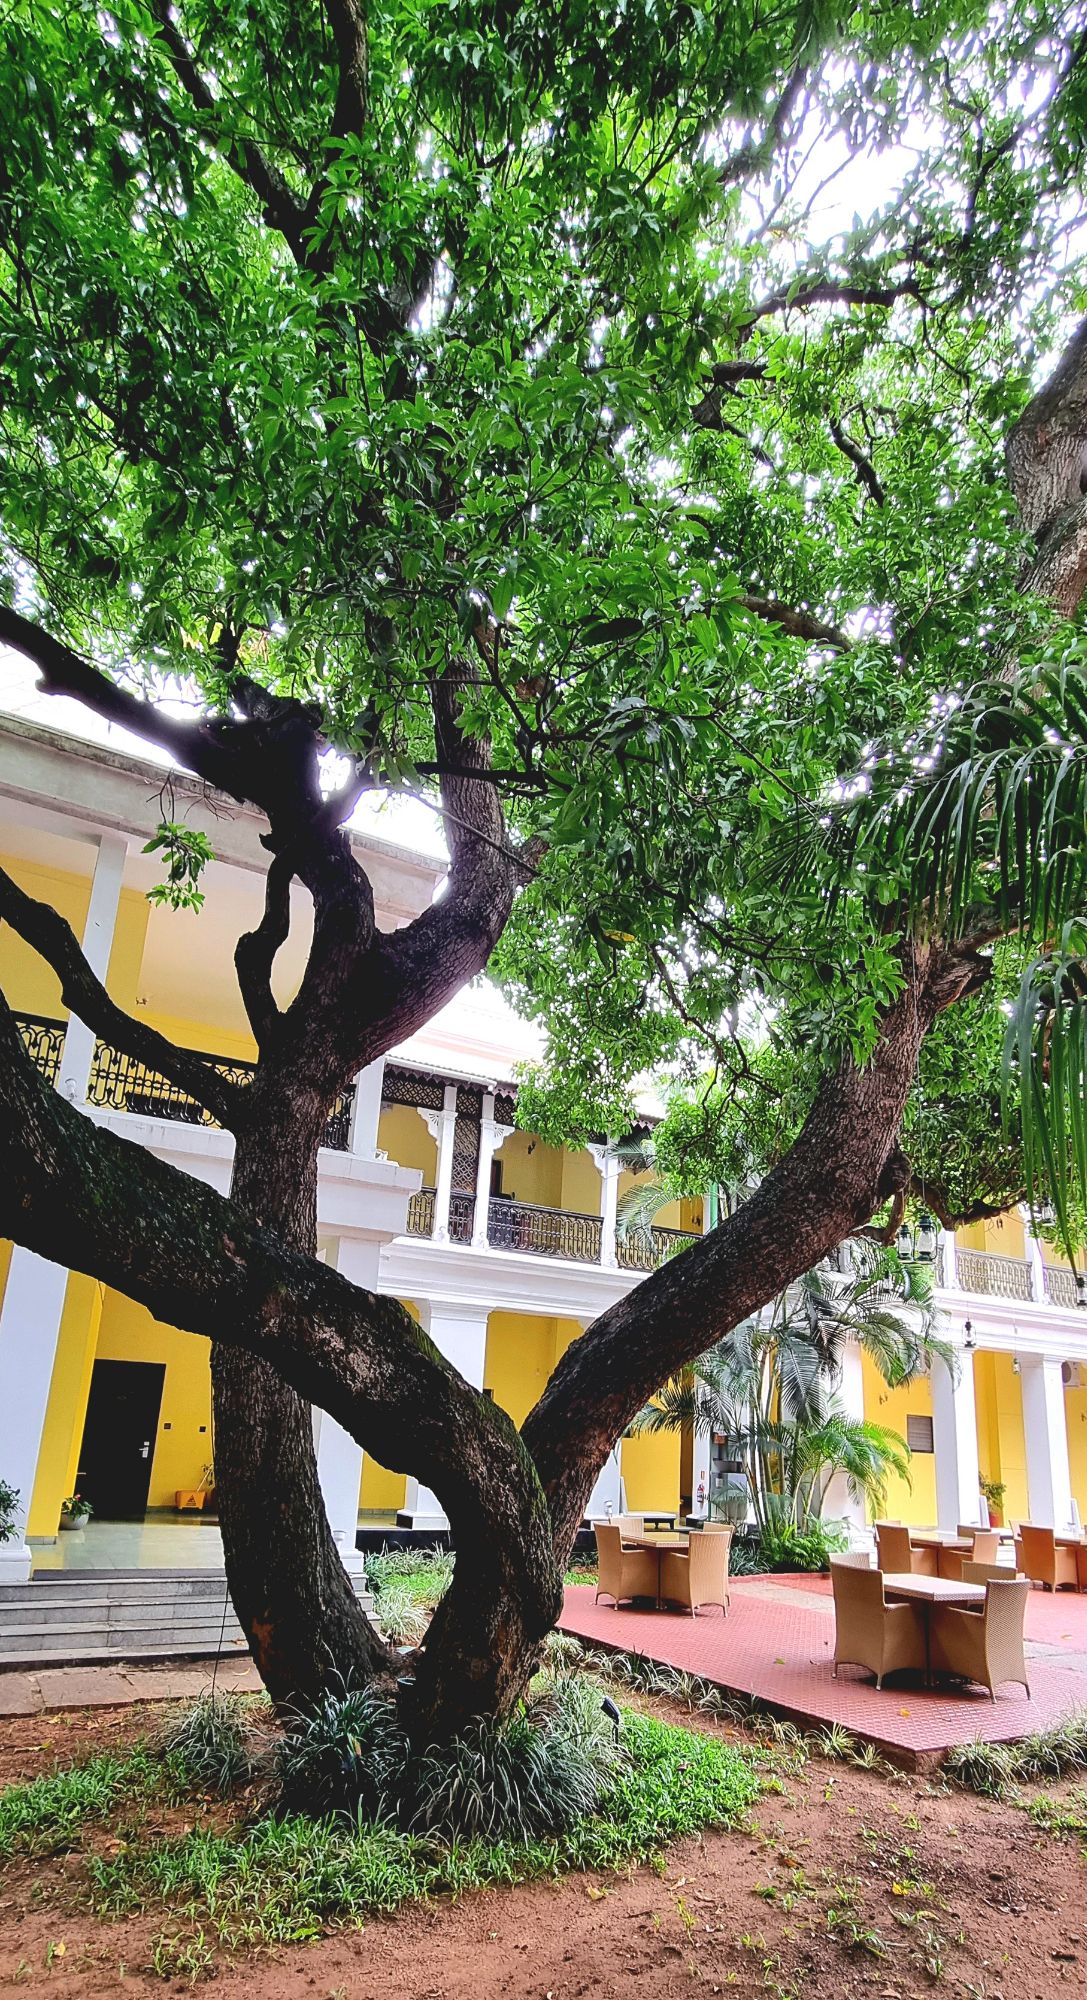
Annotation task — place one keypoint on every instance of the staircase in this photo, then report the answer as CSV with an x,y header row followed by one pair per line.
x,y
91,1617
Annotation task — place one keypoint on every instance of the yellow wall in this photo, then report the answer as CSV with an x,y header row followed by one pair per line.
x,y
1002,1452
580,1186
531,1171
382,1491
402,1134
668,1217
914,1501
31,986
1075,1413
520,1359
128,1333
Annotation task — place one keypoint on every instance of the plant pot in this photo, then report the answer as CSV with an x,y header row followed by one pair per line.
x,y
189,1499
73,1524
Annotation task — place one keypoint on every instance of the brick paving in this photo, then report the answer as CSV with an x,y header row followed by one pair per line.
x,y
777,1643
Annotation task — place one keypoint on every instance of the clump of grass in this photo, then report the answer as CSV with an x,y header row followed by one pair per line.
x,y
539,1773
996,1768
206,1743
289,1879
407,1586
48,1814
344,1754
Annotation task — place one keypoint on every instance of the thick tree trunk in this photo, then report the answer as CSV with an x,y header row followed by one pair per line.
x,y
292,1596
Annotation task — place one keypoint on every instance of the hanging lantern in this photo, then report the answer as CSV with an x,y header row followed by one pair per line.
x,y
926,1239
904,1242
968,1340
1081,1289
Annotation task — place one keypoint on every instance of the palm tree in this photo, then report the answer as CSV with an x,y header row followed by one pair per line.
x,y
769,1386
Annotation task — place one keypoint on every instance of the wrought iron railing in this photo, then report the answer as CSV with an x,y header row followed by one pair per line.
x,y
421,1213
544,1232
44,1041
1001,1277
462,1215
645,1249
119,1083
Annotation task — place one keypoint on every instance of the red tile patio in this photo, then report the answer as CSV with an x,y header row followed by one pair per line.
x,y
777,1644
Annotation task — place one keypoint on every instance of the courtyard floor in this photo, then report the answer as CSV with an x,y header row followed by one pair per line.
x,y
777,1643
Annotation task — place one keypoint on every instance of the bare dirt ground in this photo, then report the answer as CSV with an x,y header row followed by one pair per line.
x,y
845,1882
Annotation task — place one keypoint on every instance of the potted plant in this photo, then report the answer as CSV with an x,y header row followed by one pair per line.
x,y
992,1492
75,1512
730,1502
14,1556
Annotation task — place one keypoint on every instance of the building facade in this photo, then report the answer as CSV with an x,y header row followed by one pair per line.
x,y
504,1247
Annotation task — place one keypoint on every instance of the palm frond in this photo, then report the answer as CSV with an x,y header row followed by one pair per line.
x,y
1045,1071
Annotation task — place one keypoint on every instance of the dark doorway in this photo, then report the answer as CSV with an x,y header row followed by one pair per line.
x,y
119,1437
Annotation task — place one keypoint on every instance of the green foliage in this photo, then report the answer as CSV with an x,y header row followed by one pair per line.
x,y
206,1742
186,852
345,1754
769,1386
288,1879
408,1584
9,1502
541,1773
48,1814
784,1546
995,1768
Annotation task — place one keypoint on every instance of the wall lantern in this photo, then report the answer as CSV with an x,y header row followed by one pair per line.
x,y
968,1339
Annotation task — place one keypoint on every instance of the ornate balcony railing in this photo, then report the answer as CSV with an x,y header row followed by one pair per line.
x,y
44,1040
421,1213
645,1249
1060,1287
119,1083
462,1215
1001,1277
544,1232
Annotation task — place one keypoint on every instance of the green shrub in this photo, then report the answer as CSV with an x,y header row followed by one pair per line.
x,y
344,1754
538,1773
407,1585
206,1742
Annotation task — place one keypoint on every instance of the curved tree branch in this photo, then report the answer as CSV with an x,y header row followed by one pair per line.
x,y
47,932
255,952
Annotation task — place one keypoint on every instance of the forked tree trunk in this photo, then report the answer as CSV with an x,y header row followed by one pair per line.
x,y
293,1598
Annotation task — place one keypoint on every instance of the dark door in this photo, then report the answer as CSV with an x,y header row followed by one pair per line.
x,y
119,1437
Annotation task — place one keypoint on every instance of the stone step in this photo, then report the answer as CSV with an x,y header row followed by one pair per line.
x,y
145,1615
144,1591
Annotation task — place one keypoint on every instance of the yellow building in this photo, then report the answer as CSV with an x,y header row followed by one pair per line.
x,y
504,1247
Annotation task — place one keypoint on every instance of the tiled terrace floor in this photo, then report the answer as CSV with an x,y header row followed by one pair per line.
x,y
778,1642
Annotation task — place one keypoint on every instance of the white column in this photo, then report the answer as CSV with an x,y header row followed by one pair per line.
x,y
1034,1259
460,1333
955,1442
609,1169
606,1498
700,1469
839,1504
34,1295
98,932
366,1110
339,1456
489,1142
1049,1486
443,1128
948,1266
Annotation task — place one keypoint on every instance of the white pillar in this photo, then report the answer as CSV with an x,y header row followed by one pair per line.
x,y
1034,1259
366,1110
609,1169
34,1295
606,1498
948,1264
98,932
460,1333
839,1504
488,1144
1049,1486
700,1468
443,1128
955,1443
339,1456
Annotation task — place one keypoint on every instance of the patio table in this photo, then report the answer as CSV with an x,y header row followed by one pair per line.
x,y
658,1543
961,1543
659,1520
930,1590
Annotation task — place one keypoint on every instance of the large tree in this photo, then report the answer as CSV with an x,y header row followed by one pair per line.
x,y
473,390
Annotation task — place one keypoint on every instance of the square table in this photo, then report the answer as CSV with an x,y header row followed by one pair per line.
x,y
930,1590
659,1520
658,1543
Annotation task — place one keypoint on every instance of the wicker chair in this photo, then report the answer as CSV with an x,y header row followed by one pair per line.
x,y
623,1573
985,1549
984,1646
1039,1558
986,1546
700,1576
869,1632
975,1572
895,1553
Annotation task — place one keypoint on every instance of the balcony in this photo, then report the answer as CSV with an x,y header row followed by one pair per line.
x,y
544,1232
119,1083
1010,1278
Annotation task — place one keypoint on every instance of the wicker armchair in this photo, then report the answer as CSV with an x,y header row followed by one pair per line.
x,y
700,1576
984,1646
975,1572
985,1549
896,1554
1039,1558
622,1573
869,1632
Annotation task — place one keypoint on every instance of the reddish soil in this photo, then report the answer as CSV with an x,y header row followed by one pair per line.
x,y
849,1882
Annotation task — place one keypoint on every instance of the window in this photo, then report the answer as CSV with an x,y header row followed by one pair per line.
x,y
919,1433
